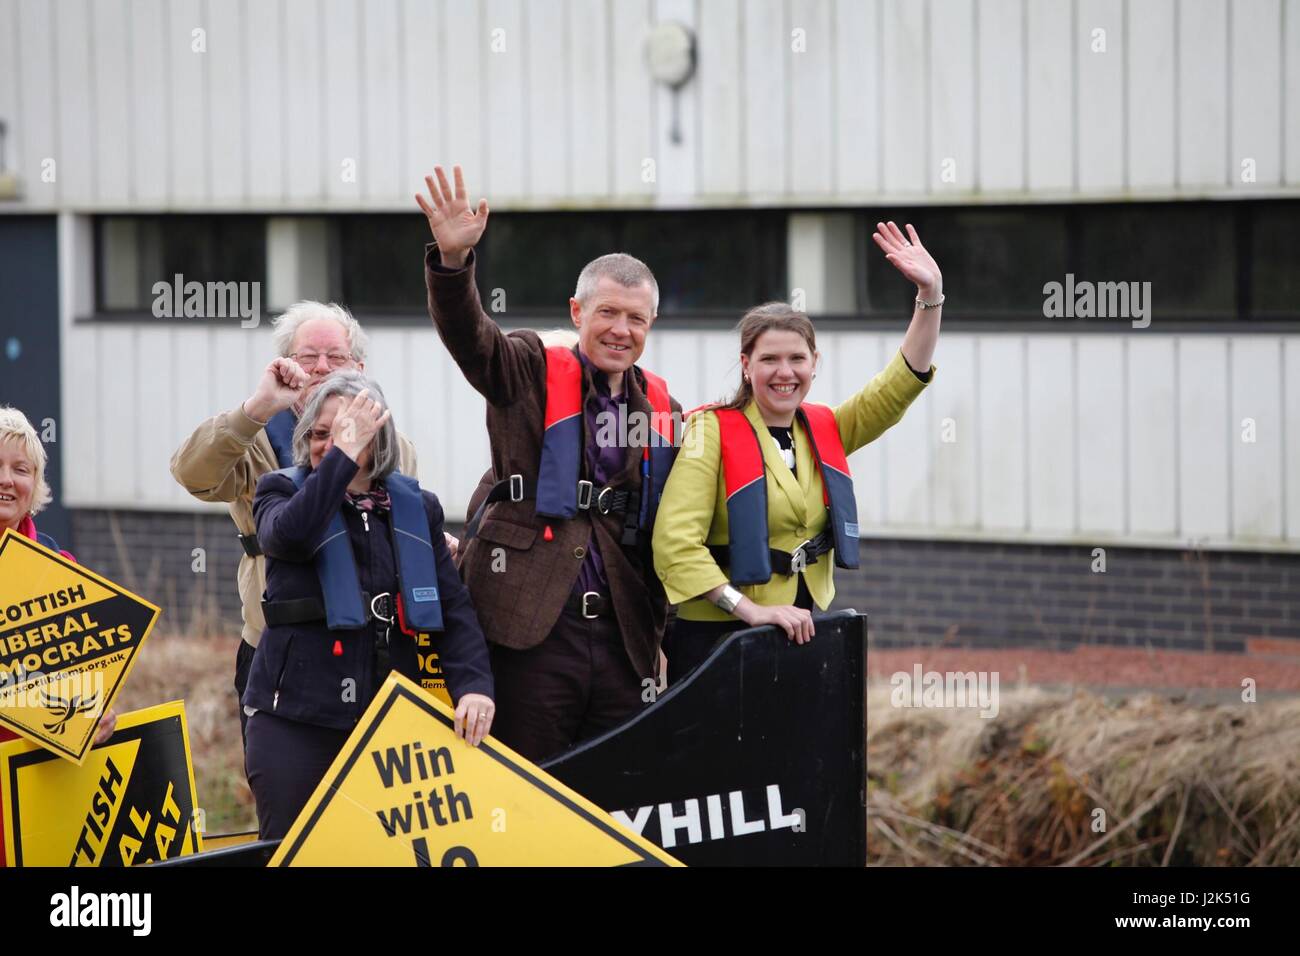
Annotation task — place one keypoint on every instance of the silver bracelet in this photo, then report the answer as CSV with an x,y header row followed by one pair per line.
x,y
728,599
930,305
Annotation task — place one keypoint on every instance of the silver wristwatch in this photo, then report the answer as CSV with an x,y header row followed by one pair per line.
x,y
728,599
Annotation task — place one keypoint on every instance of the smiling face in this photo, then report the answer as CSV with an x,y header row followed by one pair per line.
x,y
780,369
612,324
17,483
325,341
321,440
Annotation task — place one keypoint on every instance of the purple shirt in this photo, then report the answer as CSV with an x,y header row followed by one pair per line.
x,y
602,465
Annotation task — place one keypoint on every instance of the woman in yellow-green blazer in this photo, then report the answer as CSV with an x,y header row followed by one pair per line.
x,y
760,495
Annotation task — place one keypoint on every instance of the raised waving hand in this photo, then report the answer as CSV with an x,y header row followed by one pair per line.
x,y
455,225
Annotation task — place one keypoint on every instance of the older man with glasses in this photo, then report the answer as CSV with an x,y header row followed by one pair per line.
x,y
227,454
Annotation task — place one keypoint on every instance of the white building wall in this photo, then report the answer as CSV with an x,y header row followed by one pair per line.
x,y
346,104
1133,436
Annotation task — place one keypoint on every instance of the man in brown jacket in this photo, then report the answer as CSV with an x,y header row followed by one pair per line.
x,y
229,452
571,606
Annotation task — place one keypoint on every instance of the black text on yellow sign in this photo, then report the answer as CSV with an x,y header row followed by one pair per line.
x,y
405,791
131,801
68,638
432,677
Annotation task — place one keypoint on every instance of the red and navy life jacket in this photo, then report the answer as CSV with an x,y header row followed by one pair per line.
x,y
746,484
417,573
562,451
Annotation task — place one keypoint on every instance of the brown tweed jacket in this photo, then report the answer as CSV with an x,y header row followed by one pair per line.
x,y
519,580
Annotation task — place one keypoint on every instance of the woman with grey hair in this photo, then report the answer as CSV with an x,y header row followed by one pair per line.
x,y
356,568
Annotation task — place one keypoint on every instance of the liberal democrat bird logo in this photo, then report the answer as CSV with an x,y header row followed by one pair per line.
x,y
67,709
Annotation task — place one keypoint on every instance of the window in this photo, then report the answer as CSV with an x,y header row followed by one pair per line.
x,y
1185,250
133,253
1275,261
705,262
999,258
1212,261
379,262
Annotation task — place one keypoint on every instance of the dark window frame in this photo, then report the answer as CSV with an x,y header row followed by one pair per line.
x,y
1241,220
102,312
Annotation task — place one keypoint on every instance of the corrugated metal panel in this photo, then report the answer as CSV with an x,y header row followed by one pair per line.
x,y
291,103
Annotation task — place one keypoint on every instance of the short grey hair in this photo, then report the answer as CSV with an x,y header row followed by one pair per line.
x,y
627,271
287,325
347,383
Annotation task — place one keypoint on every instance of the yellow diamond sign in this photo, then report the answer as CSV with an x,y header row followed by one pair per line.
x,y
67,641
405,791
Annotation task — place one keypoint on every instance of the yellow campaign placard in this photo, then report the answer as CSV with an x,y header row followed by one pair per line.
x,y
68,638
130,801
432,677
405,791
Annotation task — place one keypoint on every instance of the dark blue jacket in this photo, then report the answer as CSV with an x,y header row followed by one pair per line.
x,y
295,673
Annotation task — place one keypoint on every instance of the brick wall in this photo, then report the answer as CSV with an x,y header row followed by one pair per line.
x,y
965,594
978,594
151,553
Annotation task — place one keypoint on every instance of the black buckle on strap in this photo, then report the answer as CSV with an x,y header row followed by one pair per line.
x,y
249,543
386,610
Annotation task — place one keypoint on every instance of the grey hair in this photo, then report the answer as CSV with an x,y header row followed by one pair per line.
x,y
627,271
347,383
287,325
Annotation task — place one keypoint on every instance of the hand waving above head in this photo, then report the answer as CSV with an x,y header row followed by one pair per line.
x,y
909,257
456,227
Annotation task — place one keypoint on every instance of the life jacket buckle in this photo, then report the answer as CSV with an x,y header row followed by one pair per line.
x,y
516,487
585,489
799,558
386,599
602,505
585,596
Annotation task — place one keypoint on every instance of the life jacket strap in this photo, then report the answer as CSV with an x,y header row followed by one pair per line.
x,y
784,562
518,488
378,607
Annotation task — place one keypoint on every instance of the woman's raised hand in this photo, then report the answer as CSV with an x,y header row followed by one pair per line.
x,y
356,425
909,257
456,227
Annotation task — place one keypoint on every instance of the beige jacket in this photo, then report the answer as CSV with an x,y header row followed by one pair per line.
x,y
222,461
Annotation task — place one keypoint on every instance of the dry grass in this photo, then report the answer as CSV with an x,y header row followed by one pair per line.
x,y
190,657
1179,784
200,671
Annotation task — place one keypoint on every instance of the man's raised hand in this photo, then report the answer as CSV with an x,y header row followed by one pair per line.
x,y
279,387
456,227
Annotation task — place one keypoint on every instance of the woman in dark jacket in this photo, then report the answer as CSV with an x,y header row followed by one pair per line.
x,y
356,565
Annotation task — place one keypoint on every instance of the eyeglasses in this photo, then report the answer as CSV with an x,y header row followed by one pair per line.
x,y
309,360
